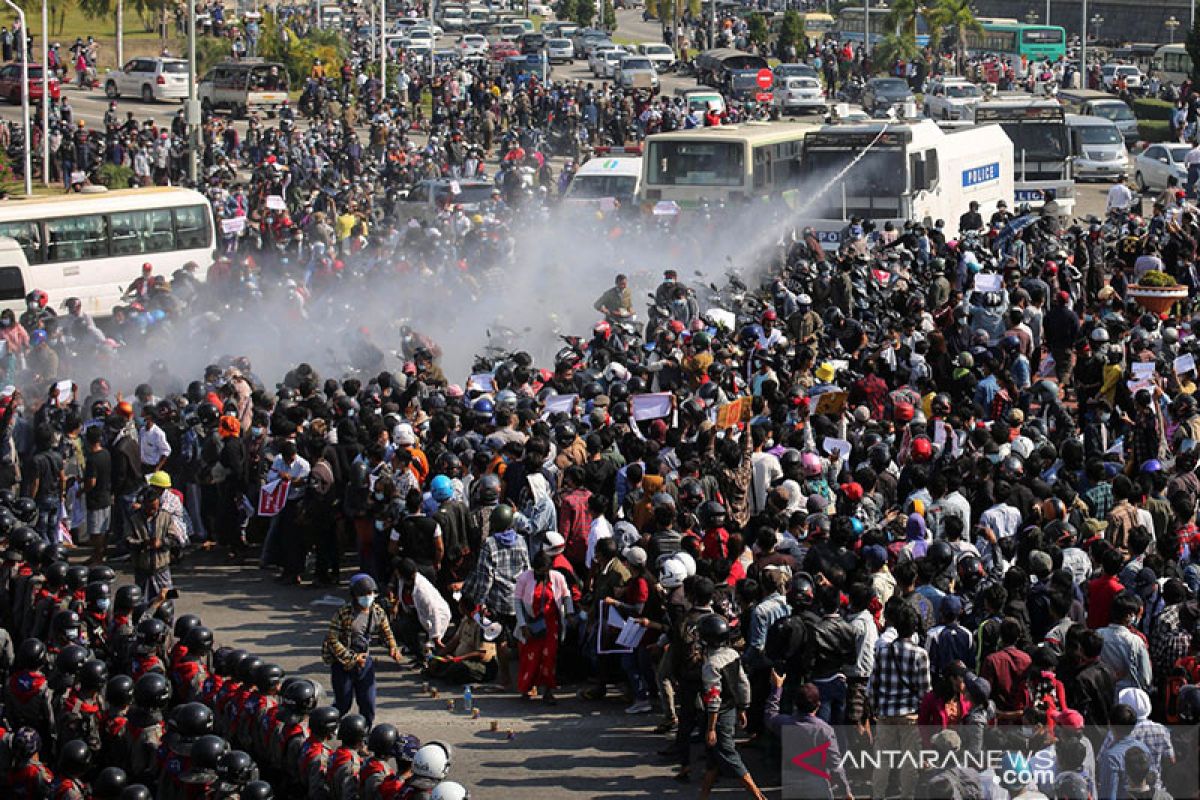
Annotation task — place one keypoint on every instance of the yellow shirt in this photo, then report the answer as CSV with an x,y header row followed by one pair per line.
x,y
345,224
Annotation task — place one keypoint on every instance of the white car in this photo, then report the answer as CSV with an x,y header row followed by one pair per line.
x,y
454,18
660,55
559,51
1158,162
422,35
952,98
791,94
596,58
636,72
1110,72
150,79
472,44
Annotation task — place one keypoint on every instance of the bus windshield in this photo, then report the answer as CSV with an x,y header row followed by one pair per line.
x,y
688,163
879,173
1040,141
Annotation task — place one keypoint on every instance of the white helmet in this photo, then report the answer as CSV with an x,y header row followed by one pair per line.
x,y
449,790
432,761
672,573
1100,335
688,562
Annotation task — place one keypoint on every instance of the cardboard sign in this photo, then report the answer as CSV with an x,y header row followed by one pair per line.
x,y
560,402
831,403
481,381
650,406
275,202
1142,370
988,282
838,448
734,412
1185,363
233,225
272,498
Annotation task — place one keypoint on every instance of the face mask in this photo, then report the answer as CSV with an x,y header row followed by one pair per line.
x,y
1028,731
1104,416
256,432
366,600
379,525
379,495
72,633
994,458
102,604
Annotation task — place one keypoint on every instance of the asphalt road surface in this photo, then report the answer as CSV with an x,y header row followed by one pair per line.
x,y
574,750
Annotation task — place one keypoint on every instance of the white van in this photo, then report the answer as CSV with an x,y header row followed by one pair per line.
x,y
331,17
1098,148
606,177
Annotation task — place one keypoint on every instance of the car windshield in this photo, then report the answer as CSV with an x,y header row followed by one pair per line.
x,y
1039,141
175,67
1114,112
876,173
471,194
962,90
590,187
659,50
696,163
636,63
1177,154
1099,134
795,69
1127,70
801,83
892,87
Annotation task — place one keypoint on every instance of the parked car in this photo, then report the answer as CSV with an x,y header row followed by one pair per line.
x,y
532,43
503,50
1132,74
660,55
796,71
559,51
951,98
10,83
797,94
150,79
596,59
1158,162
636,72
471,44
880,94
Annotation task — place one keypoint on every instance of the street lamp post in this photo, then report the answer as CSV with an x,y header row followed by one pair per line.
x,y
1047,12
45,93
867,26
1083,67
1032,17
193,105
1097,21
1171,24
383,53
24,95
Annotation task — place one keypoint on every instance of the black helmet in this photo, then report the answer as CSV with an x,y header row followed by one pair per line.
x,y
54,553
221,658
70,659
127,598
636,385
382,739
323,722
74,758
618,392
55,573
7,497
803,591
789,461
192,720
592,389
8,522
77,577
109,784
21,538
501,518
257,790
152,691
151,633
63,621
26,510
970,571
207,413
691,493
96,592
565,433
198,640
207,751
236,767
249,668
300,697
352,730
30,655
118,692
185,624
267,677
487,489
713,630
135,791
940,554
93,675
713,514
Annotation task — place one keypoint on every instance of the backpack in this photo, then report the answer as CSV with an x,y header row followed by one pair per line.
x,y
691,657
786,644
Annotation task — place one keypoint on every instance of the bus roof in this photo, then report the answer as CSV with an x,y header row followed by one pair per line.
x,y
751,132
66,205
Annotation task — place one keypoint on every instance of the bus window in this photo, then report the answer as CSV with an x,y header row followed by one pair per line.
x,y
12,286
682,163
191,228
26,234
76,238
136,232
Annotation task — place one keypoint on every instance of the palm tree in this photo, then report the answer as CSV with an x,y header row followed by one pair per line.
x,y
900,39
955,18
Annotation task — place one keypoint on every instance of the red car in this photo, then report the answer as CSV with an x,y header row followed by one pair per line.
x,y
10,83
502,50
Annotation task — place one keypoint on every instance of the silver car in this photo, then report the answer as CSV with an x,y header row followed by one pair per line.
x,y
797,94
636,72
559,51
1158,162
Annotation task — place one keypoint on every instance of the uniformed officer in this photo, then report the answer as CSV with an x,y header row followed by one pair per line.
x,y
96,619
63,674
235,769
28,777
109,783
429,766
149,639
27,693
49,597
257,708
200,777
215,679
187,724
236,703
189,670
144,730
127,604
118,695
224,706
314,757
74,758
297,701
80,716
344,764
178,647
376,769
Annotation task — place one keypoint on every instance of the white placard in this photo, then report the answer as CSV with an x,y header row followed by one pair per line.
x,y
276,203
836,447
233,225
1185,363
650,406
482,381
988,282
1142,370
455,187
560,402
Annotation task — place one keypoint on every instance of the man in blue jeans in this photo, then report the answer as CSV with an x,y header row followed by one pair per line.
x,y
47,483
347,647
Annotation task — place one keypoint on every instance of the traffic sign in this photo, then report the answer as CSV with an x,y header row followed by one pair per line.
x,y
765,78
764,97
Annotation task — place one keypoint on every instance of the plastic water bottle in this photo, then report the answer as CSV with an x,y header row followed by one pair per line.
x,y
468,699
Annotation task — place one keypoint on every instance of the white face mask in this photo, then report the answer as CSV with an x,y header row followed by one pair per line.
x,y
366,600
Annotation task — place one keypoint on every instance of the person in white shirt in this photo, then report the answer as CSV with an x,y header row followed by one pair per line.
x,y
764,471
601,529
152,442
1119,198
282,546
1191,161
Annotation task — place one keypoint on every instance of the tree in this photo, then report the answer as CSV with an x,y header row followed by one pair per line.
x,y
791,33
757,29
900,38
581,12
652,9
610,16
955,19
1193,49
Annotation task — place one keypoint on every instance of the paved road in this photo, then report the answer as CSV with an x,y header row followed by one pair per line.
x,y
575,750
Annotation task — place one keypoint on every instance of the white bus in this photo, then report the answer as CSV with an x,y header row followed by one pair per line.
x,y
1172,63
1041,146
92,246
723,164
910,171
